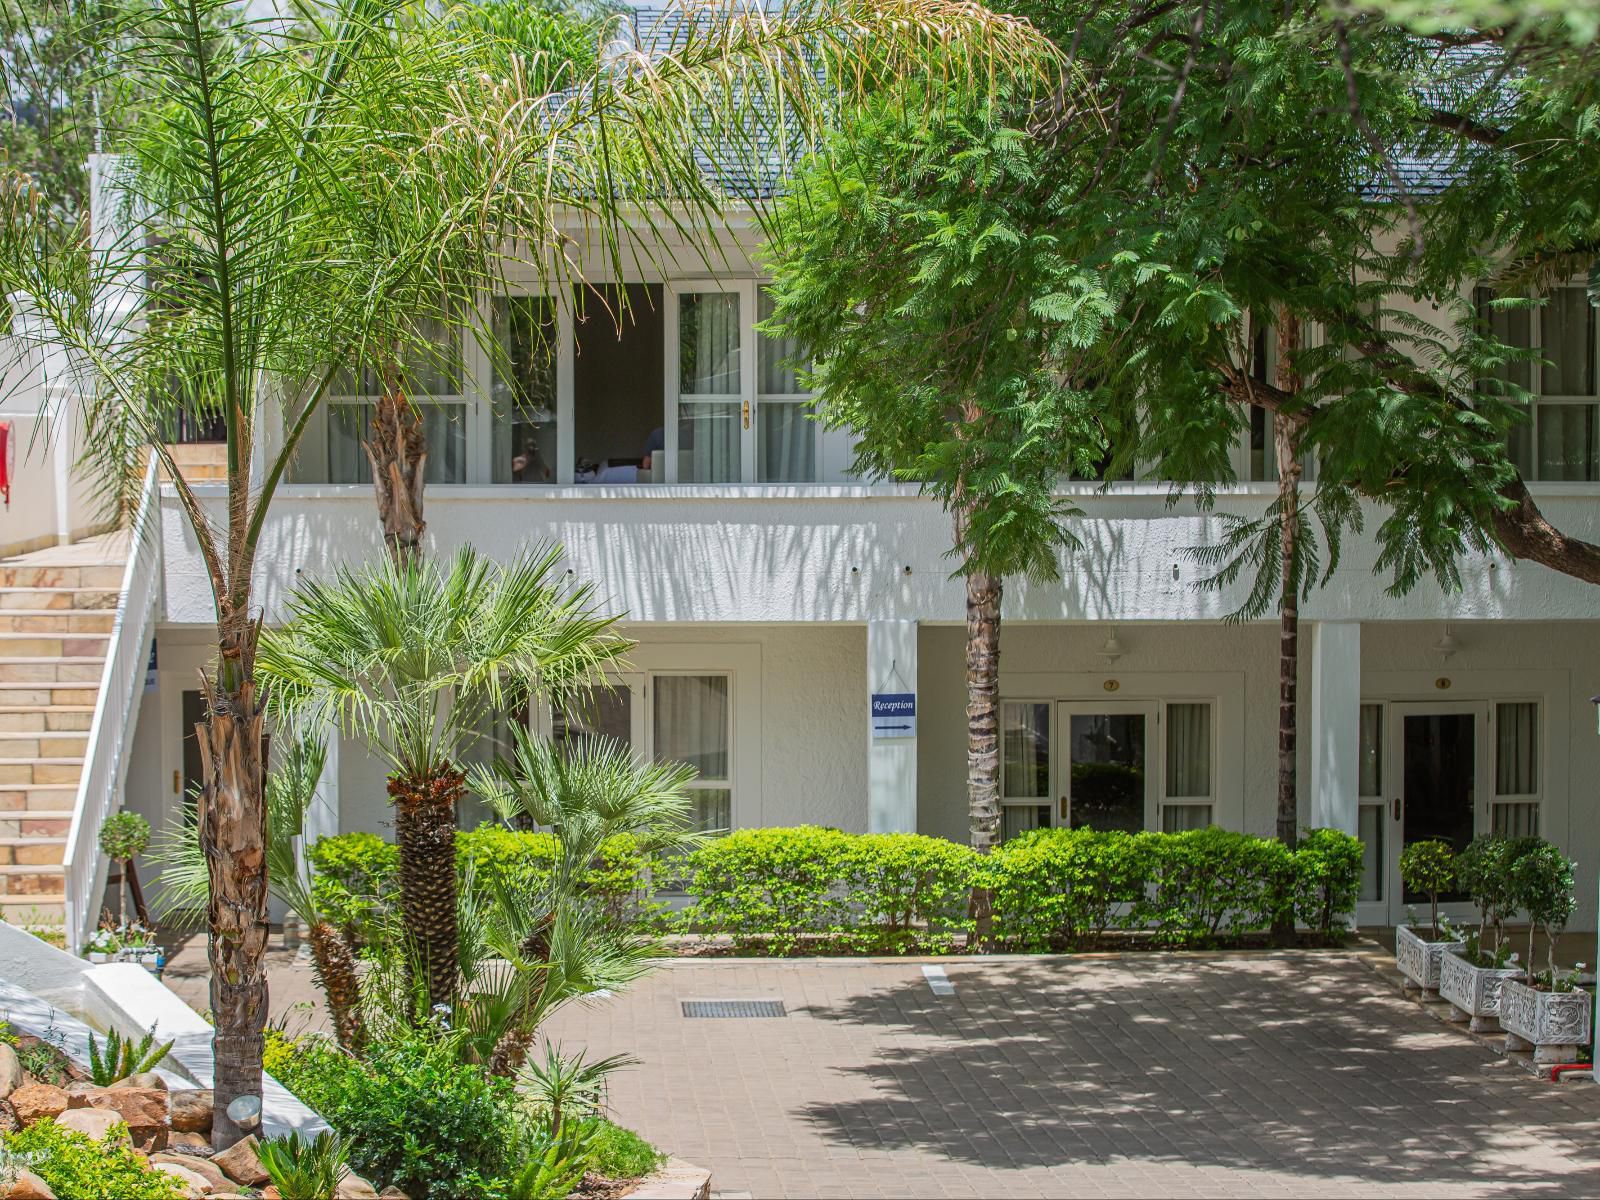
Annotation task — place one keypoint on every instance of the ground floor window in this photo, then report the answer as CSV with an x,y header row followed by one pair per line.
x,y
1515,809
1370,822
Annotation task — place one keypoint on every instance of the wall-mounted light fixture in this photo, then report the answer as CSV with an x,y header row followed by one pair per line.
x,y
1111,649
1446,646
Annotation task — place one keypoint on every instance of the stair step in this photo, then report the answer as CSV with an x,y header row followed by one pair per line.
x,y
33,912
65,621
58,599
17,573
49,694
20,880
16,853
27,828
62,719
37,797
74,669
56,747
23,772
52,645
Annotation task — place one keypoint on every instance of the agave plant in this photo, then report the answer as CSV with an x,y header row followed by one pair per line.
x,y
291,790
124,1056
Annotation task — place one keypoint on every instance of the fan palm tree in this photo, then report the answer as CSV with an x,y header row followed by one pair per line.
x,y
252,262
414,657
291,790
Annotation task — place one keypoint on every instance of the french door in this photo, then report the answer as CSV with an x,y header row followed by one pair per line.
x,y
710,430
1110,776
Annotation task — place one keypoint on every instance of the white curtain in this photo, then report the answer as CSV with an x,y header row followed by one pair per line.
x,y
1369,828
691,722
1515,820
443,425
786,442
1019,818
708,366
1025,741
1177,818
1511,327
1569,333
1516,752
1189,751
1370,751
1567,442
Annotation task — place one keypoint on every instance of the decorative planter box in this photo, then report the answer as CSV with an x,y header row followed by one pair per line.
x,y
1554,1025
1474,992
1420,961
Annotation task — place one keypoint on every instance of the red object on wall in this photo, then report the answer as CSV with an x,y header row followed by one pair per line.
x,y
7,450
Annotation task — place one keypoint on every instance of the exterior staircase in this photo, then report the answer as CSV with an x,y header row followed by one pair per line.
x,y
57,610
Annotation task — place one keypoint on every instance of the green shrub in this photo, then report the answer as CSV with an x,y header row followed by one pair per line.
x,y
410,1113
124,835
907,891
771,885
1429,867
1483,871
1542,886
355,877
1327,878
1213,882
1054,887
79,1168
620,1153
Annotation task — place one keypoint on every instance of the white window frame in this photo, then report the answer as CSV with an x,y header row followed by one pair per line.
x,y
673,292
1164,799
1536,797
480,371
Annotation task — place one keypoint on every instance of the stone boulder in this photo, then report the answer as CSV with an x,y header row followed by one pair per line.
x,y
240,1163
8,1118
191,1110
37,1102
143,1079
194,1185
189,1144
78,1092
25,1185
204,1168
144,1110
353,1187
96,1123
10,1071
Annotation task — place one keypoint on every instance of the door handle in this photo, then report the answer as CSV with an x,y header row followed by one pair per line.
x,y
747,414
1396,806
1063,808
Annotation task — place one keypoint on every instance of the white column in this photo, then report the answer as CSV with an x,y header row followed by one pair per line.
x,y
1335,724
891,761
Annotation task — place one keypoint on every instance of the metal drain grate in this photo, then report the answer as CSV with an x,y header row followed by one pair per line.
x,y
733,1008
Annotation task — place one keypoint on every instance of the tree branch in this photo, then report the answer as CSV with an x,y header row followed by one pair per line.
x,y
1472,130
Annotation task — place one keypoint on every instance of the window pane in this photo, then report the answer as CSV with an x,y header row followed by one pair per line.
x,y
1519,443
1189,750
1019,818
1567,442
1107,751
773,376
786,442
1511,327
708,344
1516,750
599,712
1175,818
1569,330
1515,820
709,442
691,722
711,810
1025,750
618,381
1370,751
523,396
429,367
443,425
1369,828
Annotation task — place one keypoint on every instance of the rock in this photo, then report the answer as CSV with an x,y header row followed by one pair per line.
x,y
78,1092
192,1145
92,1122
191,1110
193,1185
393,1193
25,1185
8,1118
143,1079
37,1102
271,1193
144,1109
10,1071
240,1164
353,1187
206,1170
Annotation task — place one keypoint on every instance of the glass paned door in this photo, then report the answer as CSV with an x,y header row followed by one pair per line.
x,y
1438,770
1108,780
713,395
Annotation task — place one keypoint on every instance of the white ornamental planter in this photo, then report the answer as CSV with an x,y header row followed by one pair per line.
x,y
1554,1025
1474,992
1420,961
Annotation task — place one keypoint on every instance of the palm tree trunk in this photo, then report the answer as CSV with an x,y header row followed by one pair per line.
x,y
1285,444
983,731
233,834
425,828
336,972
398,454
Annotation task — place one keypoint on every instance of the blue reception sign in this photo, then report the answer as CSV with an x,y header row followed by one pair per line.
x,y
894,714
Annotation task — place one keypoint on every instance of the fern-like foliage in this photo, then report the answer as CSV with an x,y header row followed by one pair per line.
x,y
304,1168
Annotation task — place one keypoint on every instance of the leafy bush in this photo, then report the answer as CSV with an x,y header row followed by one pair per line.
x,y
771,885
1483,871
355,877
620,1153
908,892
1429,867
1209,882
79,1168
1327,877
1053,887
1542,886
411,1114
124,835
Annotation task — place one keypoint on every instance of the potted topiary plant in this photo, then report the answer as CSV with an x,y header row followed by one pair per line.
x,y
1470,975
123,837
1428,867
1544,1011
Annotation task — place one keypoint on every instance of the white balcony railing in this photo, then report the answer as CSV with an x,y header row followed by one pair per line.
x,y
116,713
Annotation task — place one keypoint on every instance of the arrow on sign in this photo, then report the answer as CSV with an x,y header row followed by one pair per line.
x,y
894,727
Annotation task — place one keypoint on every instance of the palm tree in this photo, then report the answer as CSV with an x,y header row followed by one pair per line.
x,y
291,790
413,657
254,263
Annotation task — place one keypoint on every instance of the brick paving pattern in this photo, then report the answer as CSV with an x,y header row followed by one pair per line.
x,y
1247,1075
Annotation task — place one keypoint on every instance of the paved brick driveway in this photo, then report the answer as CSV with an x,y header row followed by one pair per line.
x,y
1283,1075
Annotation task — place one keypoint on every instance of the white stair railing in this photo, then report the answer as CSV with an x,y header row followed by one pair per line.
x,y
116,715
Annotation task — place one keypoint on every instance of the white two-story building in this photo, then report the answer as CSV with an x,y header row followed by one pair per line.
x,y
772,595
